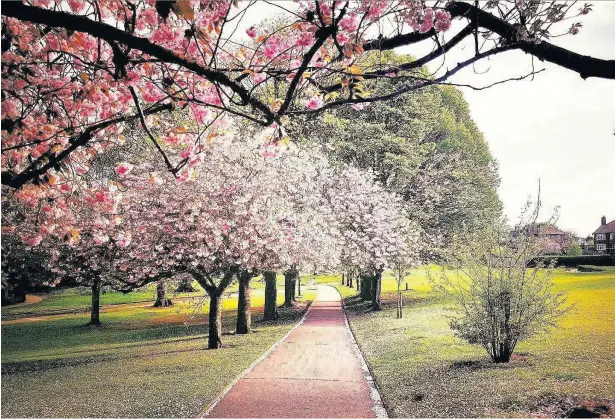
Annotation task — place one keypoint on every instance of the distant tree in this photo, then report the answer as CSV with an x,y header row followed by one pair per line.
x,y
185,285
501,301
161,295
573,249
401,265
549,246
24,269
424,147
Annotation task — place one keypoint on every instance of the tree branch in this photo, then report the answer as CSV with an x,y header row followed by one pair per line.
x,y
107,32
32,172
172,169
585,65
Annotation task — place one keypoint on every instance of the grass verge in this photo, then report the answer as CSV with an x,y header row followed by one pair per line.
x,y
142,362
423,369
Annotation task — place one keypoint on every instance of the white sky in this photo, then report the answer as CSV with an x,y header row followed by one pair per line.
x,y
558,127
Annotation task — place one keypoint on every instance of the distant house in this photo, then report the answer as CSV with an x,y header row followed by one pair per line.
x,y
580,241
550,232
604,237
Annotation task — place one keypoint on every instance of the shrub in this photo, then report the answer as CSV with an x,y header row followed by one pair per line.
x,y
575,261
501,301
589,268
573,249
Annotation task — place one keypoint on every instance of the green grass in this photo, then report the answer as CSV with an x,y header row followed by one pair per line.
x,y
79,299
423,369
143,361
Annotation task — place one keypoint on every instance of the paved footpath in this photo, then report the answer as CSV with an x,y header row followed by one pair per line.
x,y
316,371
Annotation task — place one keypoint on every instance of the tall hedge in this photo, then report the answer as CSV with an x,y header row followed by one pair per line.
x,y
575,261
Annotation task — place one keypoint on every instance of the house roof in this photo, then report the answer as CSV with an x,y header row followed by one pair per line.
x,y
607,228
545,229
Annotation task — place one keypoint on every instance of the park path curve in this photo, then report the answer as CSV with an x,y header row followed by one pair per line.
x,y
317,370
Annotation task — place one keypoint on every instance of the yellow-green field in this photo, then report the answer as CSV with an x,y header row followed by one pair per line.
x,y
143,361
423,369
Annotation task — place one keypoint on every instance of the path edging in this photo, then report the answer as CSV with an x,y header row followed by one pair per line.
x,y
378,405
205,412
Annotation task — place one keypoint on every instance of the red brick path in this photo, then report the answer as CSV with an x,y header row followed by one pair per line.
x,y
315,372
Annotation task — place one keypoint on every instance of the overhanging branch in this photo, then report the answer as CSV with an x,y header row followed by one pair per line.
x,y
585,65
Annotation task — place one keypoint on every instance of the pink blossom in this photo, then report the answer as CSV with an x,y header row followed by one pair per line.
x,y
9,108
342,38
314,103
123,169
427,22
358,106
251,32
80,169
76,5
123,239
443,21
258,77
349,23
32,241
186,153
100,238
269,51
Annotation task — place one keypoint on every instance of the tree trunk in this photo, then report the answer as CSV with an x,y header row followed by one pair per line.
x,y
95,313
356,279
185,285
215,320
290,282
342,278
288,289
366,286
298,285
349,281
376,290
293,288
271,295
399,301
161,295
244,317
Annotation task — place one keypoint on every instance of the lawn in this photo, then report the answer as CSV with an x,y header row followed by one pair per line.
x,y
423,369
143,361
79,299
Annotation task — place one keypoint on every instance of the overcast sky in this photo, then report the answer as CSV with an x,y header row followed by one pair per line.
x,y
558,127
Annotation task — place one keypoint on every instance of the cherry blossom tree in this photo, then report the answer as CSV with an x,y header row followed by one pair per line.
x,y
77,73
375,230
81,242
253,208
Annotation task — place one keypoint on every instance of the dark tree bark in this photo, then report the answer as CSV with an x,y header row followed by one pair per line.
x,y
349,280
299,285
377,290
271,295
400,301
185,285
214,291
244,317
215,320
161,295
95,312
293,289
366,287
290,282
343,278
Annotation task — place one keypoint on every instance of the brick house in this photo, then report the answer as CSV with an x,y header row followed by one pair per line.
x,y
549,231
604,237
